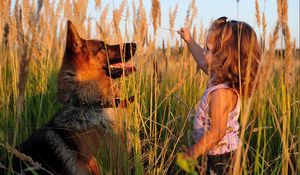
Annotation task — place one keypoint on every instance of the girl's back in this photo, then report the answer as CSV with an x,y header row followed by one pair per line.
x,y
202,121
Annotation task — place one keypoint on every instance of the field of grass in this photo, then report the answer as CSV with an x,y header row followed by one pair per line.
x,y
166,85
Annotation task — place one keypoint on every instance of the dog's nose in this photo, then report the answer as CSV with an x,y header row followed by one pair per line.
x,y
133,46
130,46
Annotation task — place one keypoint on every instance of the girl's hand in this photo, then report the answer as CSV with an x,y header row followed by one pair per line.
x,y
185,34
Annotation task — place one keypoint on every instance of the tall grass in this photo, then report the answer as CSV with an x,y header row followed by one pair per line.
x,y
161,115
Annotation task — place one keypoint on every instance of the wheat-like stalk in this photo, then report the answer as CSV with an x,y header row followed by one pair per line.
x,y
176,45
285,134
26,13
156,14
134,17
257,13
267,60
264,28
98,4
172,16
279,10
89,28
191,14
288,44
117,16
80,12
59,9
127,31
141,27
295,47
68,10
168,52
201,36
13,36
102,26
4,16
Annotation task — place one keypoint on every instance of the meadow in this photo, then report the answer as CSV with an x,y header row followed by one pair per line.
x,y
167,85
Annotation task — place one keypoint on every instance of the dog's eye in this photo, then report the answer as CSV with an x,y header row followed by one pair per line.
x,y
101,47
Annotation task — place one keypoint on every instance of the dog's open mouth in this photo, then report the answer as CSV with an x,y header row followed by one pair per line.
x,y
121,69
117,64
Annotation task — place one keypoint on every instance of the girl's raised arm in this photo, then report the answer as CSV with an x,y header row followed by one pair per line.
x,y
195,49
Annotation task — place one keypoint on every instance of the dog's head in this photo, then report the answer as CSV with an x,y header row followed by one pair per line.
x,y
89,66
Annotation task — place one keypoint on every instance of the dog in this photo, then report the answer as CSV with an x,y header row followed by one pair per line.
x,y
90,126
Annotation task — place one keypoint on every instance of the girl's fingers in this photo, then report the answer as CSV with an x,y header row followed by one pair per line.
x,y
184,33
180,31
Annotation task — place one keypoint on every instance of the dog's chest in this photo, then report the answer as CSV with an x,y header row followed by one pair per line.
x,y
100,126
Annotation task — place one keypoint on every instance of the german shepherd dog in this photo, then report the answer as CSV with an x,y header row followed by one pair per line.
x,y
87,127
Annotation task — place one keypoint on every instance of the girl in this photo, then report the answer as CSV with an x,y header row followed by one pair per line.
x,y
230,57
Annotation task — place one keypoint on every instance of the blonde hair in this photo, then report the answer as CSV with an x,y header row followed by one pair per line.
x,y
237,54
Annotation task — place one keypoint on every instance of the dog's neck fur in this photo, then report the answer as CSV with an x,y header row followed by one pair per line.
x,y
117,102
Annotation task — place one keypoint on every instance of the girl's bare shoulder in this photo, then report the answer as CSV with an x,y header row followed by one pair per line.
x,y
224,97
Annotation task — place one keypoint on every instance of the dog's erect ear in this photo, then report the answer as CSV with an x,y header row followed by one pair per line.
x,y
74,42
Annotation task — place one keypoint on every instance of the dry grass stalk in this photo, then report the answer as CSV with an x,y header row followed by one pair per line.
x,y
142,22
266,62
68,10
23,62
5,35
4,21
98,4
26,13
257,14
168,52
134,16
89,28
279,10
59,8
172,16
140,25
288,56
13,36
288,79
201,36
4,16
102,24
264,28
156,14
27,49
295,48
80,13
288,44
127,31
177,45
117,16
156,21
191,14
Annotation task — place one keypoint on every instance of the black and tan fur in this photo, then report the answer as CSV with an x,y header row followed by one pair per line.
x,y
91,118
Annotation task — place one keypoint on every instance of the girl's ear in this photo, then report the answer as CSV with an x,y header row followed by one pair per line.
x,y
74,42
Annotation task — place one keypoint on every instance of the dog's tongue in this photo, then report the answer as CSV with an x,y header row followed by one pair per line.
x,y
119,69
